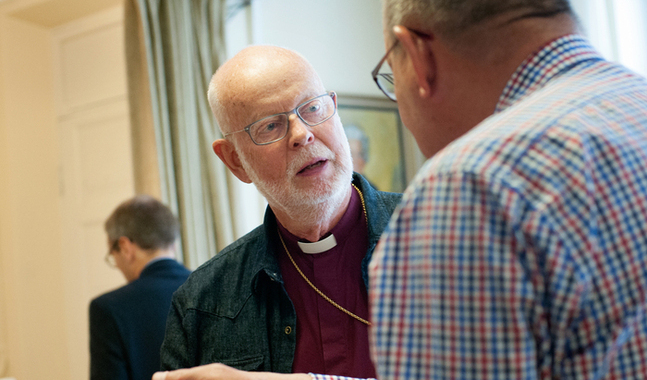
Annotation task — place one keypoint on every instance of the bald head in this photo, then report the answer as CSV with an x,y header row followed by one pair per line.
x,y
252,77
305,174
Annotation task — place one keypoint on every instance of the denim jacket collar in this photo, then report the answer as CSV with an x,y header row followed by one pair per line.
x,y
266,260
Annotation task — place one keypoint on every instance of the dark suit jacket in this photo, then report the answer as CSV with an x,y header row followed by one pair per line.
x,y
127,324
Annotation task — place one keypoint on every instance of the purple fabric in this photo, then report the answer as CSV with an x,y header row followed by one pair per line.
x,y
328,340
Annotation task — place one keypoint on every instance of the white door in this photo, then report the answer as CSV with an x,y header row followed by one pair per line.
x,y
96,161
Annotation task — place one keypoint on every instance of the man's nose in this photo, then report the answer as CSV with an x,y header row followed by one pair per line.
x,y
300,133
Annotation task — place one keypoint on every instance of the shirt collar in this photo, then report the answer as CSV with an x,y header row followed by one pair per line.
x,y
341,231
148,268
549,62
157,259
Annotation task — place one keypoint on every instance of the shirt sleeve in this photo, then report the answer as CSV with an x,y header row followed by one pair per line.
x,y
107,356
333,377
449,297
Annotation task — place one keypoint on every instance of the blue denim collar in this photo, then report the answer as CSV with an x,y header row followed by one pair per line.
x,y
265,259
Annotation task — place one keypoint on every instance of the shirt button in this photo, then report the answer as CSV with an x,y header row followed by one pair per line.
x,y
288,330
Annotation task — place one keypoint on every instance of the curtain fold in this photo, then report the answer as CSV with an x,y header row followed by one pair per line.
x,y
173,48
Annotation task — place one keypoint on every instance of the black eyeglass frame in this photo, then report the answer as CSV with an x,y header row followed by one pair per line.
x,y
108,258
389,77
332,94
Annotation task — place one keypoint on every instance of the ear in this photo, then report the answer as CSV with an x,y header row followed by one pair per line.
x,y
420,53
227,153
127,248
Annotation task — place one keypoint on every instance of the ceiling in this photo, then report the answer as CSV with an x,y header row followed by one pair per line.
x,y
51,13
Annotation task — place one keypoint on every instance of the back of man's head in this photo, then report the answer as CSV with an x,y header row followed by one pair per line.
x,y
145,221
453,16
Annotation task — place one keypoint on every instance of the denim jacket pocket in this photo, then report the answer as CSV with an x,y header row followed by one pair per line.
x,y
237,337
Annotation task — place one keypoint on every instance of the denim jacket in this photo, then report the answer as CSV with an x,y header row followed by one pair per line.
x,y
235,310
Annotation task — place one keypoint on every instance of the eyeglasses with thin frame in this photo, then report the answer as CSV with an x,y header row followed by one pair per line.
x,y
275,127
383,76
109,258
384,79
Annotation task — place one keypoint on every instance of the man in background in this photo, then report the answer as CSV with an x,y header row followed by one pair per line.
x,y
290,296
520,249
127,324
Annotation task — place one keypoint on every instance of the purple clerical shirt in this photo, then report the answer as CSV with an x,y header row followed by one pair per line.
x,y
328,340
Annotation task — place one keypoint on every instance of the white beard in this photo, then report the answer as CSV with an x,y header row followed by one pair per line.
x,y
306,206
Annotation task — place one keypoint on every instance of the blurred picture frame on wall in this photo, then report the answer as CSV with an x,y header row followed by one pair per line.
x,y
383,150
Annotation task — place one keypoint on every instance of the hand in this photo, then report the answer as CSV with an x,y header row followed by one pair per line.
x,y
219,371
205,372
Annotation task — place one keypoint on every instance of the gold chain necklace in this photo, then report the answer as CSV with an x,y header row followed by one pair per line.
x,y
335,304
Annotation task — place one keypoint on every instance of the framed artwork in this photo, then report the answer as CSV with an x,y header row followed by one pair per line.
x,y
383,150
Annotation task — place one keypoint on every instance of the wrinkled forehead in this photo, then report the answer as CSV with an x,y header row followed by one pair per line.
x,y
260,99
257,89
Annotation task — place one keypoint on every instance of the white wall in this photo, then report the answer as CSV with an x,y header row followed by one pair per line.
x,y
617,28
95,162
341,38
48,81
630,19
30,241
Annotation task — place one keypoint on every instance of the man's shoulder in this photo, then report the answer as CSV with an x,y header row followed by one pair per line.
x,y
233,254
221,275
112,299
576,104
373,195
144,286
388,199
165,268
556,131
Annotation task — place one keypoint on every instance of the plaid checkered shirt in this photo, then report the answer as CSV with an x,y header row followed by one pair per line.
x,y
520,250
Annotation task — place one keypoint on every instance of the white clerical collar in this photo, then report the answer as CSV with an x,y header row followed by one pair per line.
x,y
318,246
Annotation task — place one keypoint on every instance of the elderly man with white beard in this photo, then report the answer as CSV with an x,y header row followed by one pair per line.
x,y
289,297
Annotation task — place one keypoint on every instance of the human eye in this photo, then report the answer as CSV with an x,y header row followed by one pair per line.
x,y
269,128
311,108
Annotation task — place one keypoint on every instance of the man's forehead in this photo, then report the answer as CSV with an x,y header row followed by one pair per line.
x,y
247,107
256,84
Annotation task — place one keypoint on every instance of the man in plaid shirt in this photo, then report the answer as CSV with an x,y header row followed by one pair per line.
x,y
520,248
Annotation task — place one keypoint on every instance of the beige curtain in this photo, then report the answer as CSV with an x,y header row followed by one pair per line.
x,y
173,48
